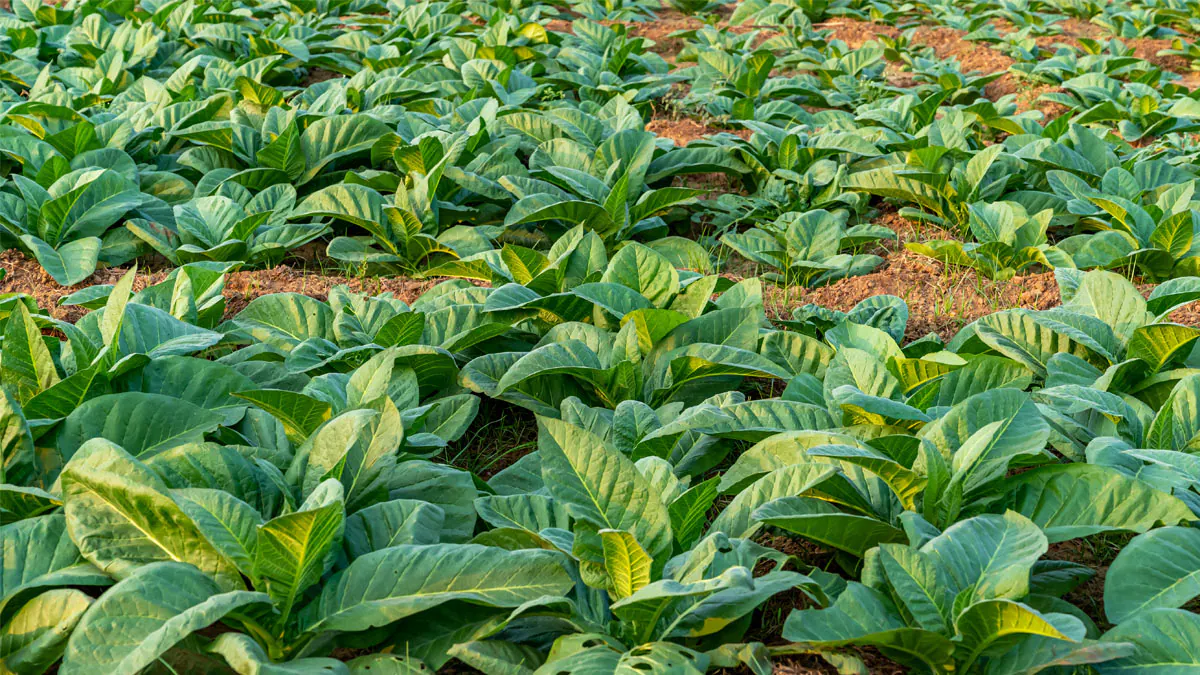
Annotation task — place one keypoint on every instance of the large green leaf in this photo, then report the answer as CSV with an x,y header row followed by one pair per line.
x,y
990,555
332,138
985,623
36,636
26,367
295,549
1160,568
40,555
68,264
138,422
602,486
286,319
826,524
245,655
1078,500
391,584
123,517
147,614
863,616
1165,641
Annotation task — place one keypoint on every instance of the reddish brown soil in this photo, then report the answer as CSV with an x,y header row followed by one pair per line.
x,y
1143,48
1190,79
1028,95
684,130
26,276
659,31
716,184
940,299
897,76
1148,49
856,33
948,43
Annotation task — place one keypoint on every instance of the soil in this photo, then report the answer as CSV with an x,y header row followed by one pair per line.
x,y
318,75
941,299
856,33
26,276
684,130
1027,95
1148,49
658,31
1097,553
949,43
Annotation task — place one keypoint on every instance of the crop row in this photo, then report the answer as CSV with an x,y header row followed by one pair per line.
x,y
196,131
187,492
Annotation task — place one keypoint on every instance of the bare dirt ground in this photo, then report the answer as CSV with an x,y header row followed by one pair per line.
x,y
26,276
684,130
856,33
941,299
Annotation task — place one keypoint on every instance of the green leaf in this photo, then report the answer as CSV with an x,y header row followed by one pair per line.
x,y
498,657
299,414
147,614
392,523
626,563
26,368
990,555
602,486
138,422
826,524
333,138
1078,500
1160,568
388,585
123,517
245,655
921,585
71,262
1165,641
689,512
645,271
737,519
295,549
863,616
39,555
228,523
984,623
36,636
286,319
1157,344
387,664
